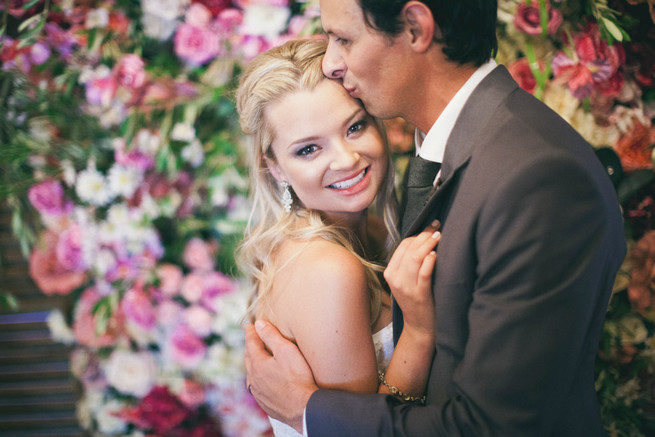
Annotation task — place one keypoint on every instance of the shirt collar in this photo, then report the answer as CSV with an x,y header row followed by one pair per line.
x,y
432,146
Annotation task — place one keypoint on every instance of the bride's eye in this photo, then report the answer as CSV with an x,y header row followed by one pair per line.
x,y
307,150
357,126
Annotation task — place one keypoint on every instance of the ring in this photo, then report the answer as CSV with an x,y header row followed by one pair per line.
x,y
249,388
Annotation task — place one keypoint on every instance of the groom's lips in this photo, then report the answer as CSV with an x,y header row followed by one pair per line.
x,y
352,92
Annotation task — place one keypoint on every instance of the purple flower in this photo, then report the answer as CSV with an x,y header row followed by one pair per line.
x,y
187,349
59,39
48,198
39,53
69,249
138,308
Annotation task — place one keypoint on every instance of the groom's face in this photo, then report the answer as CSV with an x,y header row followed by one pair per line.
x,y
372,66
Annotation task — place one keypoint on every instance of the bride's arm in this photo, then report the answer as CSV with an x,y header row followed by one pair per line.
x,y
324,306
409,275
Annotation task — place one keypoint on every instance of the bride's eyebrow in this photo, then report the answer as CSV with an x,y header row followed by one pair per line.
x,y
303,140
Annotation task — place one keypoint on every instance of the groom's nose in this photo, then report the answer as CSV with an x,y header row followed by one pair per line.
x,y
333,65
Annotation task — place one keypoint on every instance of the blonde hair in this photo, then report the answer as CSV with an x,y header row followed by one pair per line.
x,y
292,67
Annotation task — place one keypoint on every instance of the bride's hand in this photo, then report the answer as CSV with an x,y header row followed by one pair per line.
x,y
409,275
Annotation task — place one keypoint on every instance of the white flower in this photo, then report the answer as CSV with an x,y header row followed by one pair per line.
x,y
265,20
59,329
91,186
124,181
97,18
193,153
158,28
183,132
119,215
131,372
104,261
165,9
83,413
108,423
68,172
149,207
147,142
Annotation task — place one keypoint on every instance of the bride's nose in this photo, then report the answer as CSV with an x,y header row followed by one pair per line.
x,y
344,157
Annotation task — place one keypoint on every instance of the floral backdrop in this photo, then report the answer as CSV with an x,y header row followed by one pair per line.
x,y
124,167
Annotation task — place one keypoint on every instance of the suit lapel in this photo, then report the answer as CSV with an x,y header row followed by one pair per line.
x,y
469,132
464,138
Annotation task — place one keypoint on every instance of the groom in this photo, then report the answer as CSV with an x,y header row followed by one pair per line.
x,y
532,237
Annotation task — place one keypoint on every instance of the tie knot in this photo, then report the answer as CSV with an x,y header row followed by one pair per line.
x,y
422,172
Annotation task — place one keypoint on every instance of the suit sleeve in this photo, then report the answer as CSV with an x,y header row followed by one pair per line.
x,y
545,259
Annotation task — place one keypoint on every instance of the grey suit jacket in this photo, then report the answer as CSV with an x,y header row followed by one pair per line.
x,y
532,238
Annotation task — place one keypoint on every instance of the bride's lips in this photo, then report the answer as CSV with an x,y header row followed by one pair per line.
x,y
352,184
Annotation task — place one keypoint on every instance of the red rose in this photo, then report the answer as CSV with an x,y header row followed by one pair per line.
x,y
215,6
161,411
642,280
634,147
523,75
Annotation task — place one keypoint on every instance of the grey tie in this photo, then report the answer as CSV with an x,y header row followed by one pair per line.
x,y
420,181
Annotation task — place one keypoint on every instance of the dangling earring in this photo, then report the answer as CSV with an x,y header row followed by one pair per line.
x,y
287,200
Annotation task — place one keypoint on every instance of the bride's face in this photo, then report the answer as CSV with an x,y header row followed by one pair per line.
x,y
328,149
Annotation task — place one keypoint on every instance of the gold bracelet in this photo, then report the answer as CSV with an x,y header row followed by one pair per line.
x,y
396,392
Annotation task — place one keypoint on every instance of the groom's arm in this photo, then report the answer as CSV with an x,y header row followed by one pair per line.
x,y
281,379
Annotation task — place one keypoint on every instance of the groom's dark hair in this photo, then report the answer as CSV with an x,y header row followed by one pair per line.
x,y
467,27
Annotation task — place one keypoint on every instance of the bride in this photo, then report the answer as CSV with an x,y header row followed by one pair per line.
x,y
312,251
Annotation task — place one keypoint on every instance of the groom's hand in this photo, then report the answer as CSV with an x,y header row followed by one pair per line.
x,y
277,374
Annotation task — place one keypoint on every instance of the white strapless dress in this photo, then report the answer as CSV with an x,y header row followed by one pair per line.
x,y
383,341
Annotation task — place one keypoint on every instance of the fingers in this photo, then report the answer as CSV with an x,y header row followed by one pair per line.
x,y
425,271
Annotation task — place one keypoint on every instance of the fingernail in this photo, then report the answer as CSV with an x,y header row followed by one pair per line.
x,y
437,234
435,223
259,325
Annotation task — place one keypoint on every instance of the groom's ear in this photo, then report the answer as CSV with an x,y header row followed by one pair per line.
x,y
420,25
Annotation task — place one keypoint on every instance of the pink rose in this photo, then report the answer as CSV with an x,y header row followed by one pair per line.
x,y
199,255
187,349
193,287
85,322
216,284
101,91
528,19
130,71
199,320
227,22
48,198
192,394
195,45
170,277
198,16
138,308
169,313
48,274
69,249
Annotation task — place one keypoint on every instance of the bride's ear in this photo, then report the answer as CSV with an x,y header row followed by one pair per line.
x,y
275,170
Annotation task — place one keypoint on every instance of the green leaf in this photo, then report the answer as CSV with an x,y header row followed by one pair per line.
x,y
30,21
29,4
613,29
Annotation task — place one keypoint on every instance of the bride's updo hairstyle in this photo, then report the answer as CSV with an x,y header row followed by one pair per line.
x,y
292,67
